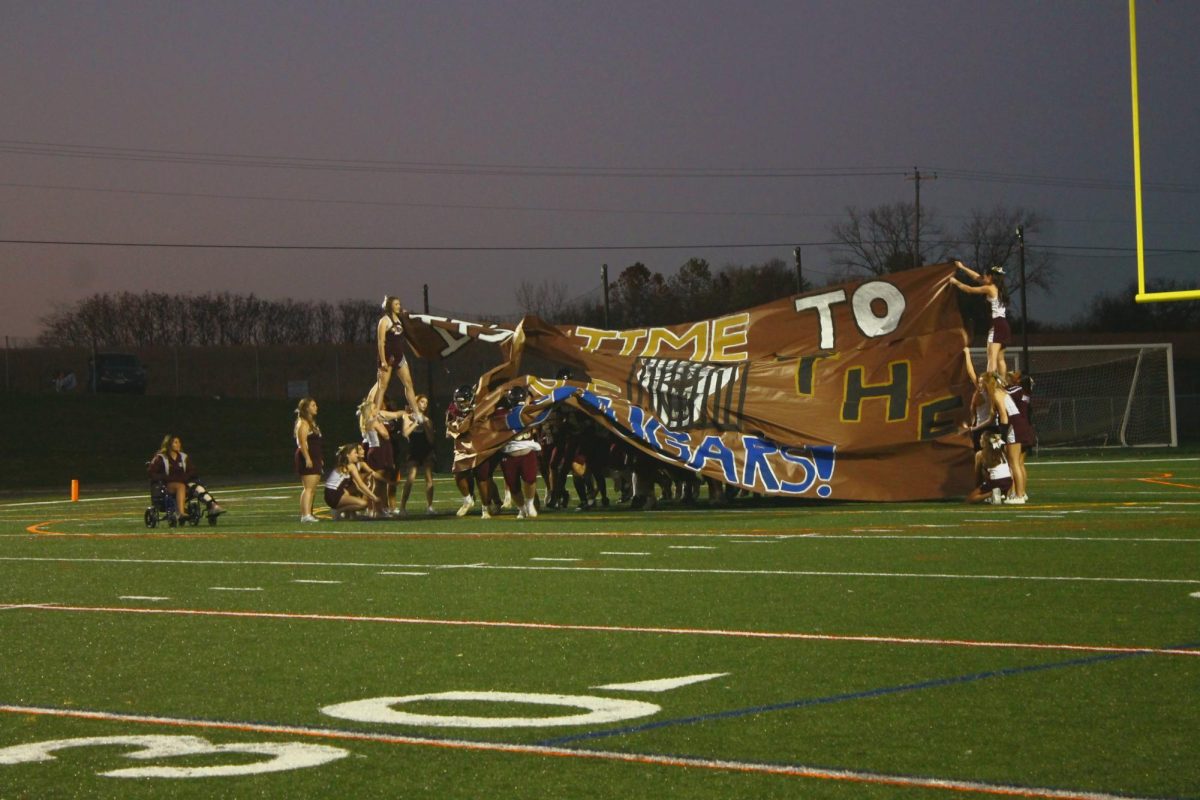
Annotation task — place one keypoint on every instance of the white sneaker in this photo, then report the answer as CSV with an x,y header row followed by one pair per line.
x,y
508,501
997,497
429,510
530,510
483,514
521,512
309,518
467,504
1015,501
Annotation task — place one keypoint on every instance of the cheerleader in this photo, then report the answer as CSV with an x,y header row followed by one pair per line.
x,y
998,478
346,492
389,346
999,334
308,459
1013,429
373,418
420,452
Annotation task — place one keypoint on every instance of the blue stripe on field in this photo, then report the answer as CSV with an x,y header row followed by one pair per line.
x,y
935,683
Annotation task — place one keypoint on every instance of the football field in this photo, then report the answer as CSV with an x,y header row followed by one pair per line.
x,y
764,649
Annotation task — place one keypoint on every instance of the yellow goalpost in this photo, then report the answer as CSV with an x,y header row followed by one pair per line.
x,y
1143,296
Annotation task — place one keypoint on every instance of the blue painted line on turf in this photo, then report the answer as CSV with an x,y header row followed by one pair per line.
x,y
935,683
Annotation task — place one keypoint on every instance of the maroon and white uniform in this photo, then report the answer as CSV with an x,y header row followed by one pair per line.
x,y
458,429
337,483
520,462
1019,430
1000,333
997,477
380,456
393,344
314,452
171,469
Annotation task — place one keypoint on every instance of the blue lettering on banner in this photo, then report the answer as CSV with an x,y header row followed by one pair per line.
x,y
763,456
712,448
757,464
680,440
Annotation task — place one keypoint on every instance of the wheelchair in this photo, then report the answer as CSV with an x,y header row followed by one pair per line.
x,y
163,507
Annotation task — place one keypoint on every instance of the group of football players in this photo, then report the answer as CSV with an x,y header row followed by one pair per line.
x,y
569,450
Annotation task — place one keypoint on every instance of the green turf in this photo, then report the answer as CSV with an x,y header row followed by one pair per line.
x,y
1106,557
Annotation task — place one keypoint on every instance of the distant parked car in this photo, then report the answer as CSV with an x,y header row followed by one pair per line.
x,y
117,372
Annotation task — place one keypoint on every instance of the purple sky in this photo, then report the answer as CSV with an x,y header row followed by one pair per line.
x,y
396,93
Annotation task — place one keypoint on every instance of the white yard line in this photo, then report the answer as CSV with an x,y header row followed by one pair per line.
x,y
555,626
624,570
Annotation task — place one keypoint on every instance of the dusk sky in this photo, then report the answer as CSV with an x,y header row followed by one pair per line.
x,y
486,143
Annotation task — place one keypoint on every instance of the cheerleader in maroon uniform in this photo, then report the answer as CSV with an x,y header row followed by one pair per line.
x,y
1013,429
1020,388
992,287
420,452
373,418
309,460
346,491
997,480
389,346
172,466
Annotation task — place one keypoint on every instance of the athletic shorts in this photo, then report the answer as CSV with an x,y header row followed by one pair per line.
x,y
1003,484
333,497
518,469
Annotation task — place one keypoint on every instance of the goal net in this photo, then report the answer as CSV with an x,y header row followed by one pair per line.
x,y
1099,395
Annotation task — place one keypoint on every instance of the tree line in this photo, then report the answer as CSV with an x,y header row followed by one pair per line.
x,y
867,243
148,319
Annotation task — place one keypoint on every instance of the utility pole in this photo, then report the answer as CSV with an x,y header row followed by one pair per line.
x,y
799,271
916,179
428,363
1025,368
604,283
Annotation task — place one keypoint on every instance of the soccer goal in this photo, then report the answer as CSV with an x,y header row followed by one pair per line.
x,y
1099,395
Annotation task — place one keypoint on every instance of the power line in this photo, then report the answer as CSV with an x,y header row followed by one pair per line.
x,y
59,150
66,150
405,204
535,248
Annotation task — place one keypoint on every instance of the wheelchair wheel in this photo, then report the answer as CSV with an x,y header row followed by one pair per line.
x,y
151,518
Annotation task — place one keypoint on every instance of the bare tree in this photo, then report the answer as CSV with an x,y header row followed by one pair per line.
x,y
547,299
990,239
882,239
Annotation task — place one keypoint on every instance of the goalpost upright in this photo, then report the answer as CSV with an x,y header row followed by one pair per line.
x,y
1142,295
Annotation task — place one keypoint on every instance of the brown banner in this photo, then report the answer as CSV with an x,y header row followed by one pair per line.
x,y
851,392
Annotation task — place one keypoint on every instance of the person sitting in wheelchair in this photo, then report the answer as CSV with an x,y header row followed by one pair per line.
x,y
177,472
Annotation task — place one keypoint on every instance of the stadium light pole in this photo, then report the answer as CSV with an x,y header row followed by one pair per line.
x,y
1024,302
